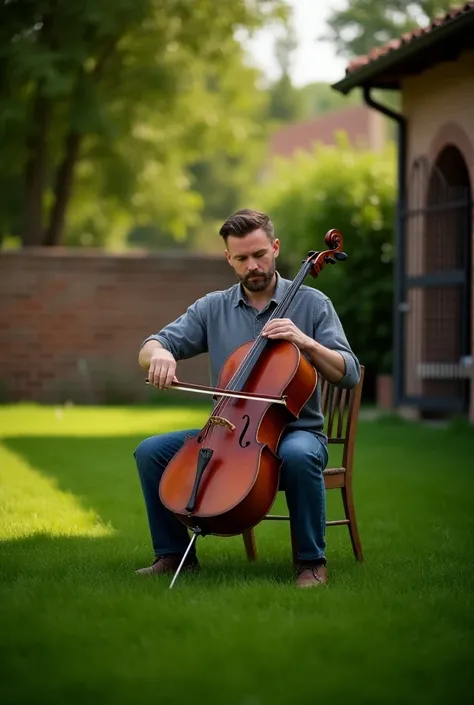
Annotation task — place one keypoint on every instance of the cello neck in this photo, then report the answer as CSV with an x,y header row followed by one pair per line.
x,y
314,264
248,363
286,301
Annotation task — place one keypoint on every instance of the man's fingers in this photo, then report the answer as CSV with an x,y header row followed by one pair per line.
x,y
279,329
169,376
160,375
277,325
163,375
279,322
166,374
161,371
152,374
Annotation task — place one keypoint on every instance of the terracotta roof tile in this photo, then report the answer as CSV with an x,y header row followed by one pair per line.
x,y
408,37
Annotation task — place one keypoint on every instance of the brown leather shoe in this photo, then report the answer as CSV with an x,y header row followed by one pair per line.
x,y
311,575
169,564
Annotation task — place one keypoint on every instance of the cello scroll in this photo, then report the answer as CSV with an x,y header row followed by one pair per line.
x,y
333,239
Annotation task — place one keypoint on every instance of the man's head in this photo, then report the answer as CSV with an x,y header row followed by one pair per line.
x,y
251,247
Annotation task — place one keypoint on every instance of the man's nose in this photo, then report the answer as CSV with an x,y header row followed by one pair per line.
x,y
252,265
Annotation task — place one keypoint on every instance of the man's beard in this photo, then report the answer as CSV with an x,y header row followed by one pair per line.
x,y
258,282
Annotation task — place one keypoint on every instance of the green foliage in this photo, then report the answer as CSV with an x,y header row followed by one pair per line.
x,y
361,25
222,182
145,87
285,104
285,100
353,191
319,98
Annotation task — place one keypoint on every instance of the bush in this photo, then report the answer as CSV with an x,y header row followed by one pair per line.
x,y
355,192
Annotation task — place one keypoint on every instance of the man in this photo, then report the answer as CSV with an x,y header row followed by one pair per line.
x,y
218,323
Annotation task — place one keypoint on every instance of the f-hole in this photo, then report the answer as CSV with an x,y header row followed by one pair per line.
x,y
247,443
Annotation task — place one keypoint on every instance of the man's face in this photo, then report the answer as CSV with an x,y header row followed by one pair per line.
x,y
253,258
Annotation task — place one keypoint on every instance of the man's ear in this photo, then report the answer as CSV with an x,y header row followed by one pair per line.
x,y
276,247
227,255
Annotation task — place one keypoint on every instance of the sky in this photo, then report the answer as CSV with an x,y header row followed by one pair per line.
x,y
312,61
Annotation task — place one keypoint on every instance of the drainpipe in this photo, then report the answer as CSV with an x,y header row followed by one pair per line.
x,y
399,289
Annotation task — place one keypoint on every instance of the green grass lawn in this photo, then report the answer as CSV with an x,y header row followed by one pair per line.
x,y
77,625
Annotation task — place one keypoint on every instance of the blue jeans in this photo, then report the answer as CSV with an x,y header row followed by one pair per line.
x,y
304,457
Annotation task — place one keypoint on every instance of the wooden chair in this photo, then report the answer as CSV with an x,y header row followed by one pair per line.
x,y
341,411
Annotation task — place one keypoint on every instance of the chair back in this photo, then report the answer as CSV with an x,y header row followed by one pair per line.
x,y
341,411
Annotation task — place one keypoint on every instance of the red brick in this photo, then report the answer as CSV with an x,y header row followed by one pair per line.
x,y
61,306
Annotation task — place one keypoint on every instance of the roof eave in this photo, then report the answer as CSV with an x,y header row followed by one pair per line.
x,y
367,75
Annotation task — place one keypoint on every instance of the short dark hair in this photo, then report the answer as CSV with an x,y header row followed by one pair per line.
x,y
246,221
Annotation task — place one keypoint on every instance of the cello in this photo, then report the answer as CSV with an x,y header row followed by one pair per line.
x,y
224,480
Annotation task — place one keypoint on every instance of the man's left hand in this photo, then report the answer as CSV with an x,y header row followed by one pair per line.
x,y
286,330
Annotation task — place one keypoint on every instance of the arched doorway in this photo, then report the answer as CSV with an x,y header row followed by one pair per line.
x,y
447,259
438,285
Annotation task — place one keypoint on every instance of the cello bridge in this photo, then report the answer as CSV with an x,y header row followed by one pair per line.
x,y
221,421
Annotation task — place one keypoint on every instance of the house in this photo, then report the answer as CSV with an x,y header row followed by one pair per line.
x,y
363,126
433,70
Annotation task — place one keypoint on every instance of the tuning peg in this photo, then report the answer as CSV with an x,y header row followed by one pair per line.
x,y
330,260
311,253
341,256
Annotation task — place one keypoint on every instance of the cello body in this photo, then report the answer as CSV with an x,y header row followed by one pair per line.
x,y
241,479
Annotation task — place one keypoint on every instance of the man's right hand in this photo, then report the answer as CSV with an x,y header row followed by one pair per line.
x,y
162,368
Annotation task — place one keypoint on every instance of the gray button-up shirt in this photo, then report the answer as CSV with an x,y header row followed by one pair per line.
x,y
221,321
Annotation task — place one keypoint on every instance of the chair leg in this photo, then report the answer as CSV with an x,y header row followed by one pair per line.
x,y
250,544
294,548
348,502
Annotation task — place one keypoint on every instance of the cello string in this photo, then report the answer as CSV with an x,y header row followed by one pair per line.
x,y
250,359
247,364
254,352
240,373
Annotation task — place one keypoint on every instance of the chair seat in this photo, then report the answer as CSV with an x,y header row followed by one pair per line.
x,y
334,478
334,471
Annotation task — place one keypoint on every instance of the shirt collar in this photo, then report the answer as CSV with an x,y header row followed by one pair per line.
x,y
239,294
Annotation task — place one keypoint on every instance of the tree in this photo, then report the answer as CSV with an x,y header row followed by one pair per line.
x,y
364,24
115,96
319,98
285,102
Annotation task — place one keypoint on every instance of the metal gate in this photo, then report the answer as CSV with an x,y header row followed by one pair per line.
x,y
434,292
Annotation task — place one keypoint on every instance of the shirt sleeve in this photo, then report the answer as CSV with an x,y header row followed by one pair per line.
x,y
330,333
187,335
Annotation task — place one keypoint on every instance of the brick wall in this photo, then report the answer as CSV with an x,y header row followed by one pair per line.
x,y
71,322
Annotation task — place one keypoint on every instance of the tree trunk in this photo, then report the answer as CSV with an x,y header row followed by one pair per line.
x,y
35,172
63,190
65,171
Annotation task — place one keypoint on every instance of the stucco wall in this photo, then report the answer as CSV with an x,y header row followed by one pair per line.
x,y
435,98
439,106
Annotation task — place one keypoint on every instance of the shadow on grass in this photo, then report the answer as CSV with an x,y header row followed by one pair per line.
x,y
413,506
106,560
101,474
